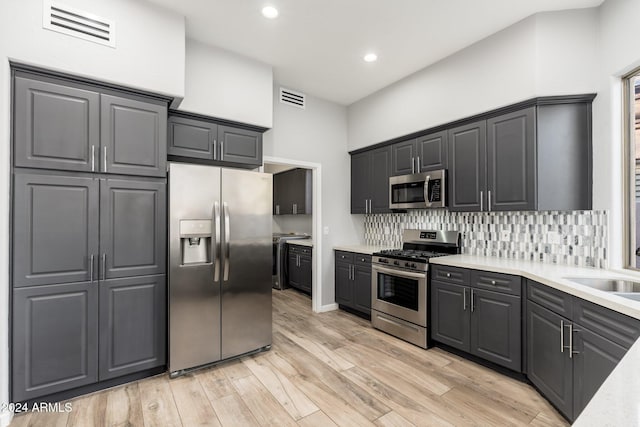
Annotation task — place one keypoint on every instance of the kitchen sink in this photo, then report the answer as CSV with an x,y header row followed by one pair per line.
x,y
620,287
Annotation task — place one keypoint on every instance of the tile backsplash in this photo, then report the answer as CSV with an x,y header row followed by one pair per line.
x,y
574,237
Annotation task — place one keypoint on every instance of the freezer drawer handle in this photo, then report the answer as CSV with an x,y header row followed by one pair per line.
x,y
215,244
227,236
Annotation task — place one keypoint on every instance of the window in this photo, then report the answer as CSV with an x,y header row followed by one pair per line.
x,y
632,138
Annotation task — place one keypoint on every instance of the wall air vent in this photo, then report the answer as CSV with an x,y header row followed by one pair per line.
x,y
293,98
77,23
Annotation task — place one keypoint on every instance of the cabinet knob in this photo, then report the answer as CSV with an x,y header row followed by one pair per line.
x,y
362,260
448,274
493,282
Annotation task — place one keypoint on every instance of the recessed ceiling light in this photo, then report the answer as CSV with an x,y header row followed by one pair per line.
x,y
370,57
270,12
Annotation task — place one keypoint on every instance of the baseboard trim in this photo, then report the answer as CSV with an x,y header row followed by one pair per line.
x,y
328,307
5,418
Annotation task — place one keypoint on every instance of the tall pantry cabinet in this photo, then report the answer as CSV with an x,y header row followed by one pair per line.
x,y
88,235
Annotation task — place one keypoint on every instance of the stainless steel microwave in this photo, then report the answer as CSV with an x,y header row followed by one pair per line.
x,y
418,191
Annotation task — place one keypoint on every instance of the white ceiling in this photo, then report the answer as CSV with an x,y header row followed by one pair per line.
x,y
317,46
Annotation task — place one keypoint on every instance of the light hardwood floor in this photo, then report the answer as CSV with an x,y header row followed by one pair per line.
x,y
329,369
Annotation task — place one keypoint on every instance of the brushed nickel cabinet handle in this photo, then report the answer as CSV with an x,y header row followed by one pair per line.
x,y
104,266
93,158
561,336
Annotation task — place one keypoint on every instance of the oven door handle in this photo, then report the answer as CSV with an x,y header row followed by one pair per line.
x,y
395,272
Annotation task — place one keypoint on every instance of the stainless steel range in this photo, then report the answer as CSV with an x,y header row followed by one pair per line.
x,y
399,283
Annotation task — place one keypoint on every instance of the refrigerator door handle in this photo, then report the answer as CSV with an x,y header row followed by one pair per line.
x,y
225,210
215,242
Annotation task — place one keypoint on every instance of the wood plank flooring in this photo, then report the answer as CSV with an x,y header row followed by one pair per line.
x,y
329,369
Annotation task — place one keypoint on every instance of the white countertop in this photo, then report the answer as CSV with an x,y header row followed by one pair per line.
x,y
617,402
361,249
301,242
553,275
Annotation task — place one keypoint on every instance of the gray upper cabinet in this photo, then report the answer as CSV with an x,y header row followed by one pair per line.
x,y
132,325
432,152
403,157
370,173
192,138
55,339
55,126
239,145
132,228
55,231
422,154
511,161
292,192
134,136
64,125
467,167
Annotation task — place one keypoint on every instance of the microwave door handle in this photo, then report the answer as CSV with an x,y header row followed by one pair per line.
x,y
427,200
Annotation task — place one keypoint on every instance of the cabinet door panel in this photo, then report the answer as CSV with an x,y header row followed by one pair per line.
x,y
134,134
360,182
380,172
240,145
595,360
132,325
467,167
450,315
362,288
293,272
511,161
133,227
344,284
55,339
403,155
55,126
549,368
305,273
191,138
432,151
55,228
496,328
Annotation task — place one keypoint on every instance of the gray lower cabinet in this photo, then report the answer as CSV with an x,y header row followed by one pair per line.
x,y
192,138
56,126
134,136
353,281
132,227
300,268
55,228
450,319
478,312
55,339
370,172
572,346
132,325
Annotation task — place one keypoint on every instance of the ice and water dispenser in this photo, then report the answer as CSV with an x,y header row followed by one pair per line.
x,y
195,241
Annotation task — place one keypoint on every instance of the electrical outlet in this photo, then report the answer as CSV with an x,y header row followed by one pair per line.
x,y
387,230
325,230
505,235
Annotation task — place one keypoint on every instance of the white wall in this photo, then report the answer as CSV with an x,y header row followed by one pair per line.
x,y
618,55
149,55
319,134
222,84
545,54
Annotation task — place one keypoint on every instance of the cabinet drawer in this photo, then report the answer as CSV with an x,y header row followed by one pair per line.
x,y
497,282
362,259
342,256
617,327
456,275
553,299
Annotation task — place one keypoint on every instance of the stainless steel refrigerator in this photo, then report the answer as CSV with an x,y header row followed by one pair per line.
x,y
220,262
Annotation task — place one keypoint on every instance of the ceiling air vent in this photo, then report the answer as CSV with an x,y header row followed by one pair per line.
x,y
293,98
77,23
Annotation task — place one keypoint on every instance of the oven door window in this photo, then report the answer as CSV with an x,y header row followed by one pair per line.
x,y
409,192
397,290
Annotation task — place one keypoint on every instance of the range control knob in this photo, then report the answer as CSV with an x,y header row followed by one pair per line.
x,y
407,264
396,263
413,265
